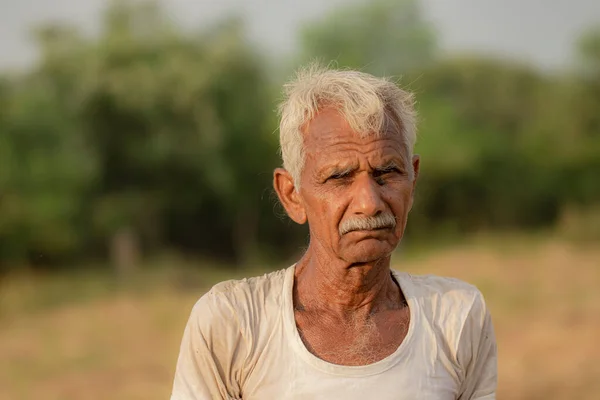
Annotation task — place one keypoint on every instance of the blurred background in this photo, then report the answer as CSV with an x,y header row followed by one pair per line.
x,y
138,140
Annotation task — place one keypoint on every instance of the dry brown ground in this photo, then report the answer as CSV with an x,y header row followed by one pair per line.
x,y
545,300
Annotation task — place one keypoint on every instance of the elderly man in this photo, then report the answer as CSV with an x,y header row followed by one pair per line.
x,y
340,323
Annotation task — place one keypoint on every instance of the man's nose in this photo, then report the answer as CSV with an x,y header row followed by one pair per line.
x,y
367,198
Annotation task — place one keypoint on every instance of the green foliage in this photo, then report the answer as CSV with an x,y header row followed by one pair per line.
x,y
589,52
143,127
46,167
503,147
169,134
384,37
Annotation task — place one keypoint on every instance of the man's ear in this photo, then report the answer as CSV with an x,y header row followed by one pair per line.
x,y
288,195
416,162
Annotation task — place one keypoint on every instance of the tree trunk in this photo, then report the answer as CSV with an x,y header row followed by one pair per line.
x,y
125,252
245,236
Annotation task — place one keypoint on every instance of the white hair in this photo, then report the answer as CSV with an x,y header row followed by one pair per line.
x,y
366,102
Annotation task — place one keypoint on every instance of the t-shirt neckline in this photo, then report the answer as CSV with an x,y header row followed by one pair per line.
x,y
347,370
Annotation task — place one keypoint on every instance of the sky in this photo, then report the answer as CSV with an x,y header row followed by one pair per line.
x,y
540,32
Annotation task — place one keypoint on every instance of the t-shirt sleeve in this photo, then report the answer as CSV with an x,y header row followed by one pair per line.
x,y
477,354
211,352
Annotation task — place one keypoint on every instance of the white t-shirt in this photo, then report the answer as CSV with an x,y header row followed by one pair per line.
x,y
241,342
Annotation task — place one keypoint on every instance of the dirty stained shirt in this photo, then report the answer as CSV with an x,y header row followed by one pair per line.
x,y
241,342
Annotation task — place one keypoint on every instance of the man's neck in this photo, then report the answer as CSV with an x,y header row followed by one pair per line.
x,y
325,282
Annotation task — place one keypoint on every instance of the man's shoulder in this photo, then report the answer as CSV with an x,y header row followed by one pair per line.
x,y
267,284
247,297
445,286
453,308
442,296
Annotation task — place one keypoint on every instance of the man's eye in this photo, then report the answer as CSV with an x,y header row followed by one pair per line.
x,y
387,171
338,176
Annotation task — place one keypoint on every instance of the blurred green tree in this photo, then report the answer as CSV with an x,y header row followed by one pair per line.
x,y
383,37
159,133
588,48
46,168
147,137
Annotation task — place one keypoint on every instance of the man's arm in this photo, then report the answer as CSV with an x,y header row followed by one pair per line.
x,y
477,354
210,350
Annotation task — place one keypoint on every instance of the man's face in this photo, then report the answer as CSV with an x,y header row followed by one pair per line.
x,y
347,178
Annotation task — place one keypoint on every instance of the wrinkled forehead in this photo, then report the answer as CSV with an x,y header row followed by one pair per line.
x,y
329,128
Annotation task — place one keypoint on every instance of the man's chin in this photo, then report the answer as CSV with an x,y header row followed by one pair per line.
x,y
368,251
376,237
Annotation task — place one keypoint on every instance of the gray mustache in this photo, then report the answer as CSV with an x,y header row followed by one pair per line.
x,y
384,220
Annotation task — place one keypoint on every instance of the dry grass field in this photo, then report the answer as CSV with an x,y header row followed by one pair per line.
x,y
123,343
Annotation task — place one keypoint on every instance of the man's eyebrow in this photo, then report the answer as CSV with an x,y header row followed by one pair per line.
x,y
336,170
389,165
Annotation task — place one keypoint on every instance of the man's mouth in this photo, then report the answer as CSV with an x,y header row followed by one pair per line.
x,y
381,228
371,230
